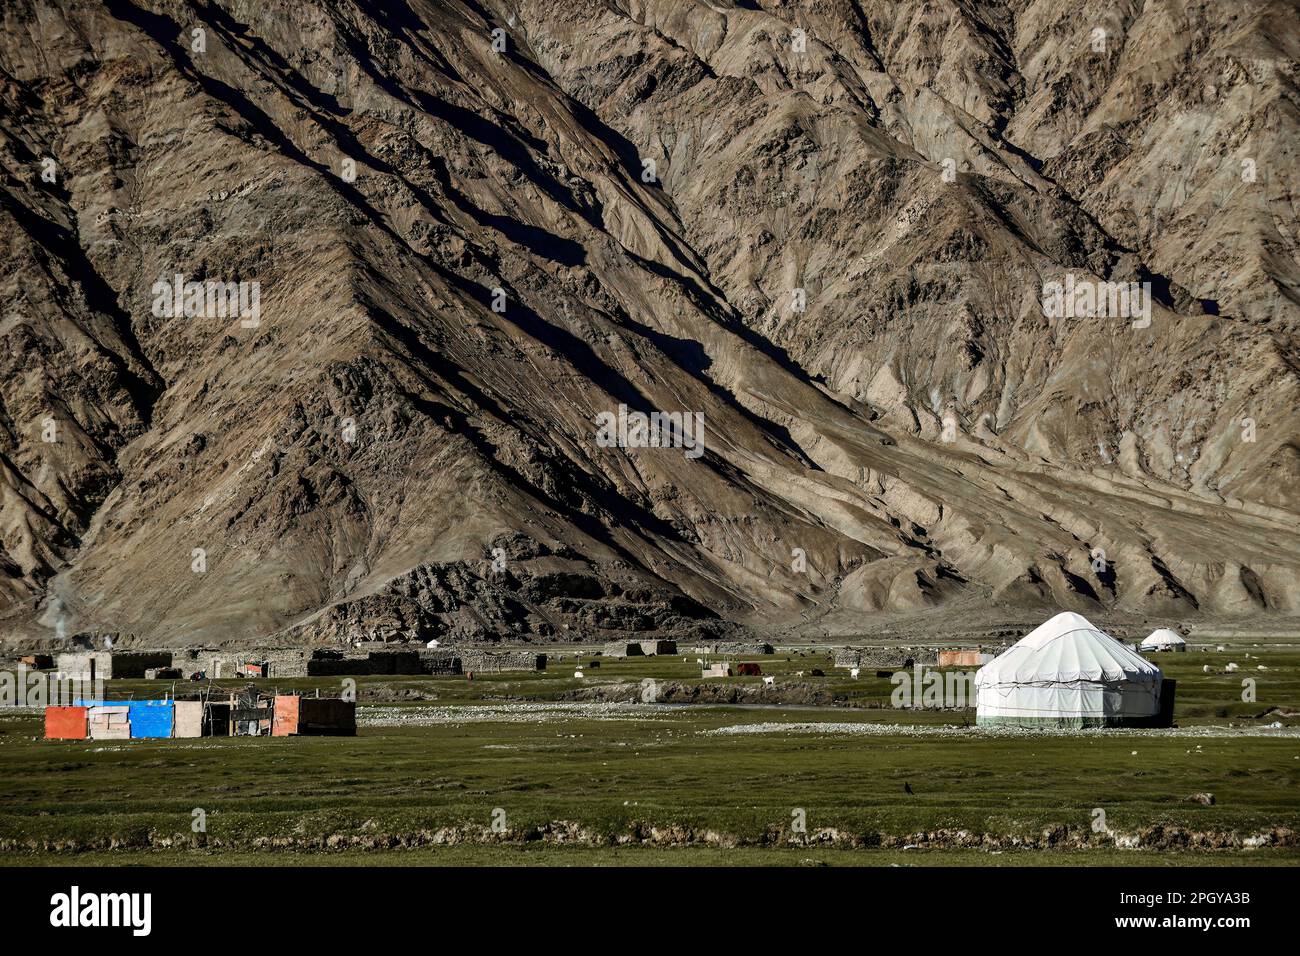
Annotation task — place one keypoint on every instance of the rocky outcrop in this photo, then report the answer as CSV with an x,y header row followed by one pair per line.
x,y
438,247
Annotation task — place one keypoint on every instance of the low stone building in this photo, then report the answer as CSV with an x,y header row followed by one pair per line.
x,y
622,649
639,648
263,662
109,665
652,648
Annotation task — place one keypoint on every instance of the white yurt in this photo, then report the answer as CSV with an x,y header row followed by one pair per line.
x,y
1066,673
1163,639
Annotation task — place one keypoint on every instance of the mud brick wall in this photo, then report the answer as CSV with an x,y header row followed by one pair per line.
x,y
394,662
338,666
733,648
961,658
110,664
494,662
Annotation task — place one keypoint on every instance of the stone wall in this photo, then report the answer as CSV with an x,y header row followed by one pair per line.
x,y
440,661
733,648
876,658
493,662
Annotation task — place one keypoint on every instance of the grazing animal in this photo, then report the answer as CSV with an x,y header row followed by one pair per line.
x,y
769,681
854,673
577,674
1231,668
907,789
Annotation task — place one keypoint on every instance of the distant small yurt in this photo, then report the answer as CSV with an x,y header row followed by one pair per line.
x,y
1066,673
1163,639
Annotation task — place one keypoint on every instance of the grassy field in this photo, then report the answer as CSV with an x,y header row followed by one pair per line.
x,y
570,782
536,854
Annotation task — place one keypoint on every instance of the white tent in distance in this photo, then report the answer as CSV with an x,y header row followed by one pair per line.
x,y
1163,639
1068,674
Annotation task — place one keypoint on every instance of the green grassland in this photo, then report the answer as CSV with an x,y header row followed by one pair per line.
x,y
620,784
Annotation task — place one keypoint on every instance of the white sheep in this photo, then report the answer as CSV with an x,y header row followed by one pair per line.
x,y
769,681
1231,668
578,674
1205,669
854,672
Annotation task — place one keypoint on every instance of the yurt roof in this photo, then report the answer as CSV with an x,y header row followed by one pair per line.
x,y
1162,636
1065,649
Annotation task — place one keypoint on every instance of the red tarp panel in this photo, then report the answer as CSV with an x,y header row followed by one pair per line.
x,y
65,723
286,716
327,716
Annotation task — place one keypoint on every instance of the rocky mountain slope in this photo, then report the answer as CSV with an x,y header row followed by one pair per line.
x,y
468,230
